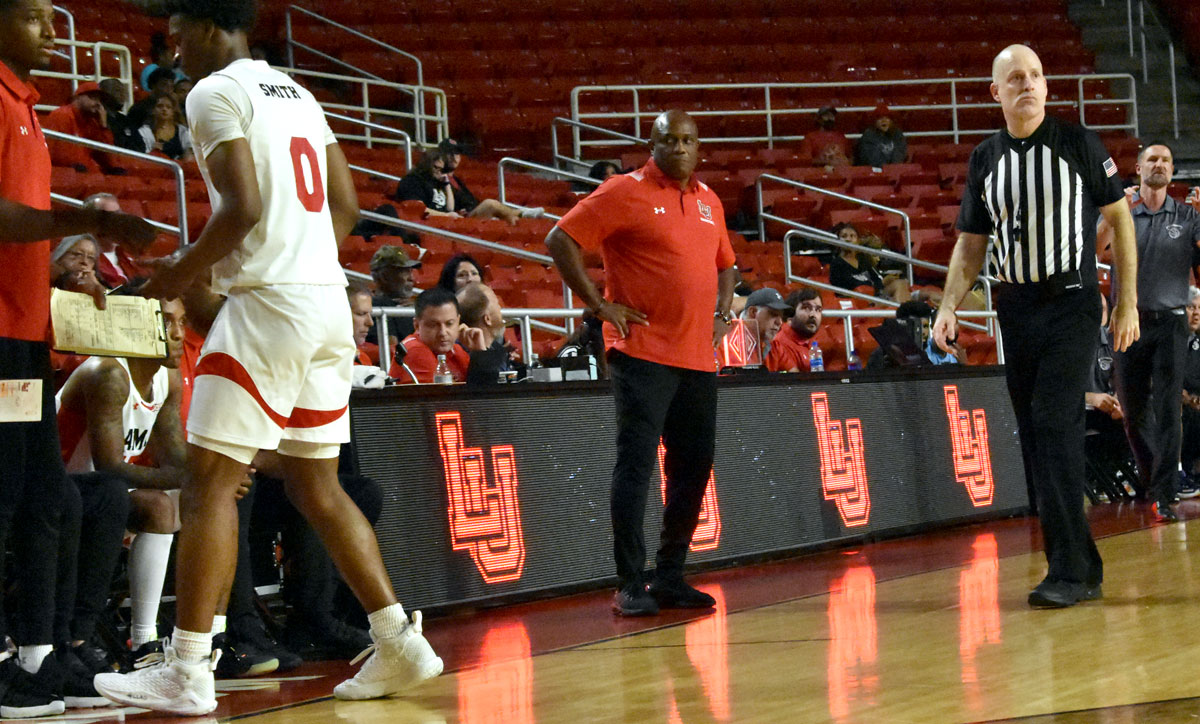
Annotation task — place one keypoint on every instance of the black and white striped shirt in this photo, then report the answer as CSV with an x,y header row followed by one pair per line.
x,y
1041,197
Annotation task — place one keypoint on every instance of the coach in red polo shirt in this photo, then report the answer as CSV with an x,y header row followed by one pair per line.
x,y
669,281
33,482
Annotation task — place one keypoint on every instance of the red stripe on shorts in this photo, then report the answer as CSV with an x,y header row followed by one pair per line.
x,y
223,365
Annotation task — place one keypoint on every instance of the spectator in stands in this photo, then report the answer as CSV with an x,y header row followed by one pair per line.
x,y
162,57
164,133
587,339
86,117
905,341
826,146
180,91
850,269
602,170
430,183
882,142
437,328
453,152
459,271
392,270
115,97
768,309
162,82
74,255
790,348
114,265
482,334
360,310
1190,450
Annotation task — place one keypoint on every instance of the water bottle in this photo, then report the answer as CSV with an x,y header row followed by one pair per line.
x,y
816,361
853,363
442,375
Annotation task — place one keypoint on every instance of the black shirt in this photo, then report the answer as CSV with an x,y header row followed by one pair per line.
x,y
1166,243
1041,196
1191,365
420,187
1102,369
398,327
841,274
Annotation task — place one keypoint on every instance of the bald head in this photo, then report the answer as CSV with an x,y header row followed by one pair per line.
x,y
1019,85
675,143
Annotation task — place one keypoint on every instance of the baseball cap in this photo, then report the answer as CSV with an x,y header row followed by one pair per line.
x,y
767,297
392,256
828,108
449,145
88,87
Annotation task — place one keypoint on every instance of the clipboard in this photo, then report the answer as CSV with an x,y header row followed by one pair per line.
x,y
129,327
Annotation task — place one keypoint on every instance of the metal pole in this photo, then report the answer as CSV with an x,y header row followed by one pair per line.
x,y
385,343
1129,21
291,53
1174,91
1142,31
526,341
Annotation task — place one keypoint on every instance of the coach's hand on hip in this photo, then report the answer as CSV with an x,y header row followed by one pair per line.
x,y
621,316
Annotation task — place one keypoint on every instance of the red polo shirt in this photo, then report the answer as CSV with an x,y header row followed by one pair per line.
x,y
67,119
423,362
24,178
788,351
662,247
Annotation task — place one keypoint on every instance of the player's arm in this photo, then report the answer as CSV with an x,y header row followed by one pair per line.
x,y
21,224
569,259
167,441
965,264
343,199
105,392
231,169
1124,322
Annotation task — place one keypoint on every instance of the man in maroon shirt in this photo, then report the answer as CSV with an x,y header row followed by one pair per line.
x,y
33,483
86,117
669,285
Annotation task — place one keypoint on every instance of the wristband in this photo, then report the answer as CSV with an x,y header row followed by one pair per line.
x,y
725,317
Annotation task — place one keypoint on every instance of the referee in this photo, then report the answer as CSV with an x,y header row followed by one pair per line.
x,y
1149,375
1038,186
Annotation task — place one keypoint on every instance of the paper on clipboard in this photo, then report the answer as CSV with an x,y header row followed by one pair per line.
x,y
20,400
129,327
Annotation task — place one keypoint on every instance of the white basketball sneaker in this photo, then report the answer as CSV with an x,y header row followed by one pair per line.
x,y
393,665
171,685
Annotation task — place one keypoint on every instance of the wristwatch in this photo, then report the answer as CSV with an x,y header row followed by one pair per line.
x,y
725,317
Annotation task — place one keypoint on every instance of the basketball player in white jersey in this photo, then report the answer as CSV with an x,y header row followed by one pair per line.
x,y
111,411
275,370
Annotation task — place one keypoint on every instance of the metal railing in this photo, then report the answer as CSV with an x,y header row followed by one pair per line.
x,y
808,232
71,56
1156,26
405,138
293,44
180,184
849,315
769,112
520,163
763,216
97,48
418,117
576,127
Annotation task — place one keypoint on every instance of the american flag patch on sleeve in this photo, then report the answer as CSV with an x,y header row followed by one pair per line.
x,y
1110,168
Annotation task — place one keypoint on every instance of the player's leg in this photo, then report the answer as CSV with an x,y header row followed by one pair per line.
x,y
402,658
152,518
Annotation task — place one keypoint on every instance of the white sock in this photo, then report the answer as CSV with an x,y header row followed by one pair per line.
x,y
148,557
191,647
388,621
218,625
31,657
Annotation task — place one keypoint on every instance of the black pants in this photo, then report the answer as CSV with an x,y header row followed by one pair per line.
x,y
679,406
93,526
1049,349
33,486
1189,449
1149,380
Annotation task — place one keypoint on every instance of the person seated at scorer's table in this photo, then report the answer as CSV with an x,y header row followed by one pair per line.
x,y
438,325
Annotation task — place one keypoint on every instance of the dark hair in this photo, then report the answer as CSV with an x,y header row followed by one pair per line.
x,y
837,230
801,295
159,74
472,303
1154,142
228,15
424,166
450,269
435,297
597,170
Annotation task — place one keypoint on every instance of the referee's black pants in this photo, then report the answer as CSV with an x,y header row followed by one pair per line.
x,y
679,406
33,486
1049,350
1149,382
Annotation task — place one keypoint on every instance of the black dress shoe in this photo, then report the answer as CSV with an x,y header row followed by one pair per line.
x,y
1061,594
676,593
1164,514
633,600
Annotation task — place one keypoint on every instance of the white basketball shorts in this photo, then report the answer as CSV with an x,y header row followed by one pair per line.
x,y
274,373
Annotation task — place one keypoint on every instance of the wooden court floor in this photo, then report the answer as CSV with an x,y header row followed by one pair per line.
x,y
922,630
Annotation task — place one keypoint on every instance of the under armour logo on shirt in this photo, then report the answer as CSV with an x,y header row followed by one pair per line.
x,y
660,209
24,131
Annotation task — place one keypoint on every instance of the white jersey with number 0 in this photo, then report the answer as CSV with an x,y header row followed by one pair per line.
x,y
293,242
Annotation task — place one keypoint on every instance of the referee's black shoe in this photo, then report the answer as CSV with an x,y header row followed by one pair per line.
x,y
1061,594
633,600
676,593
